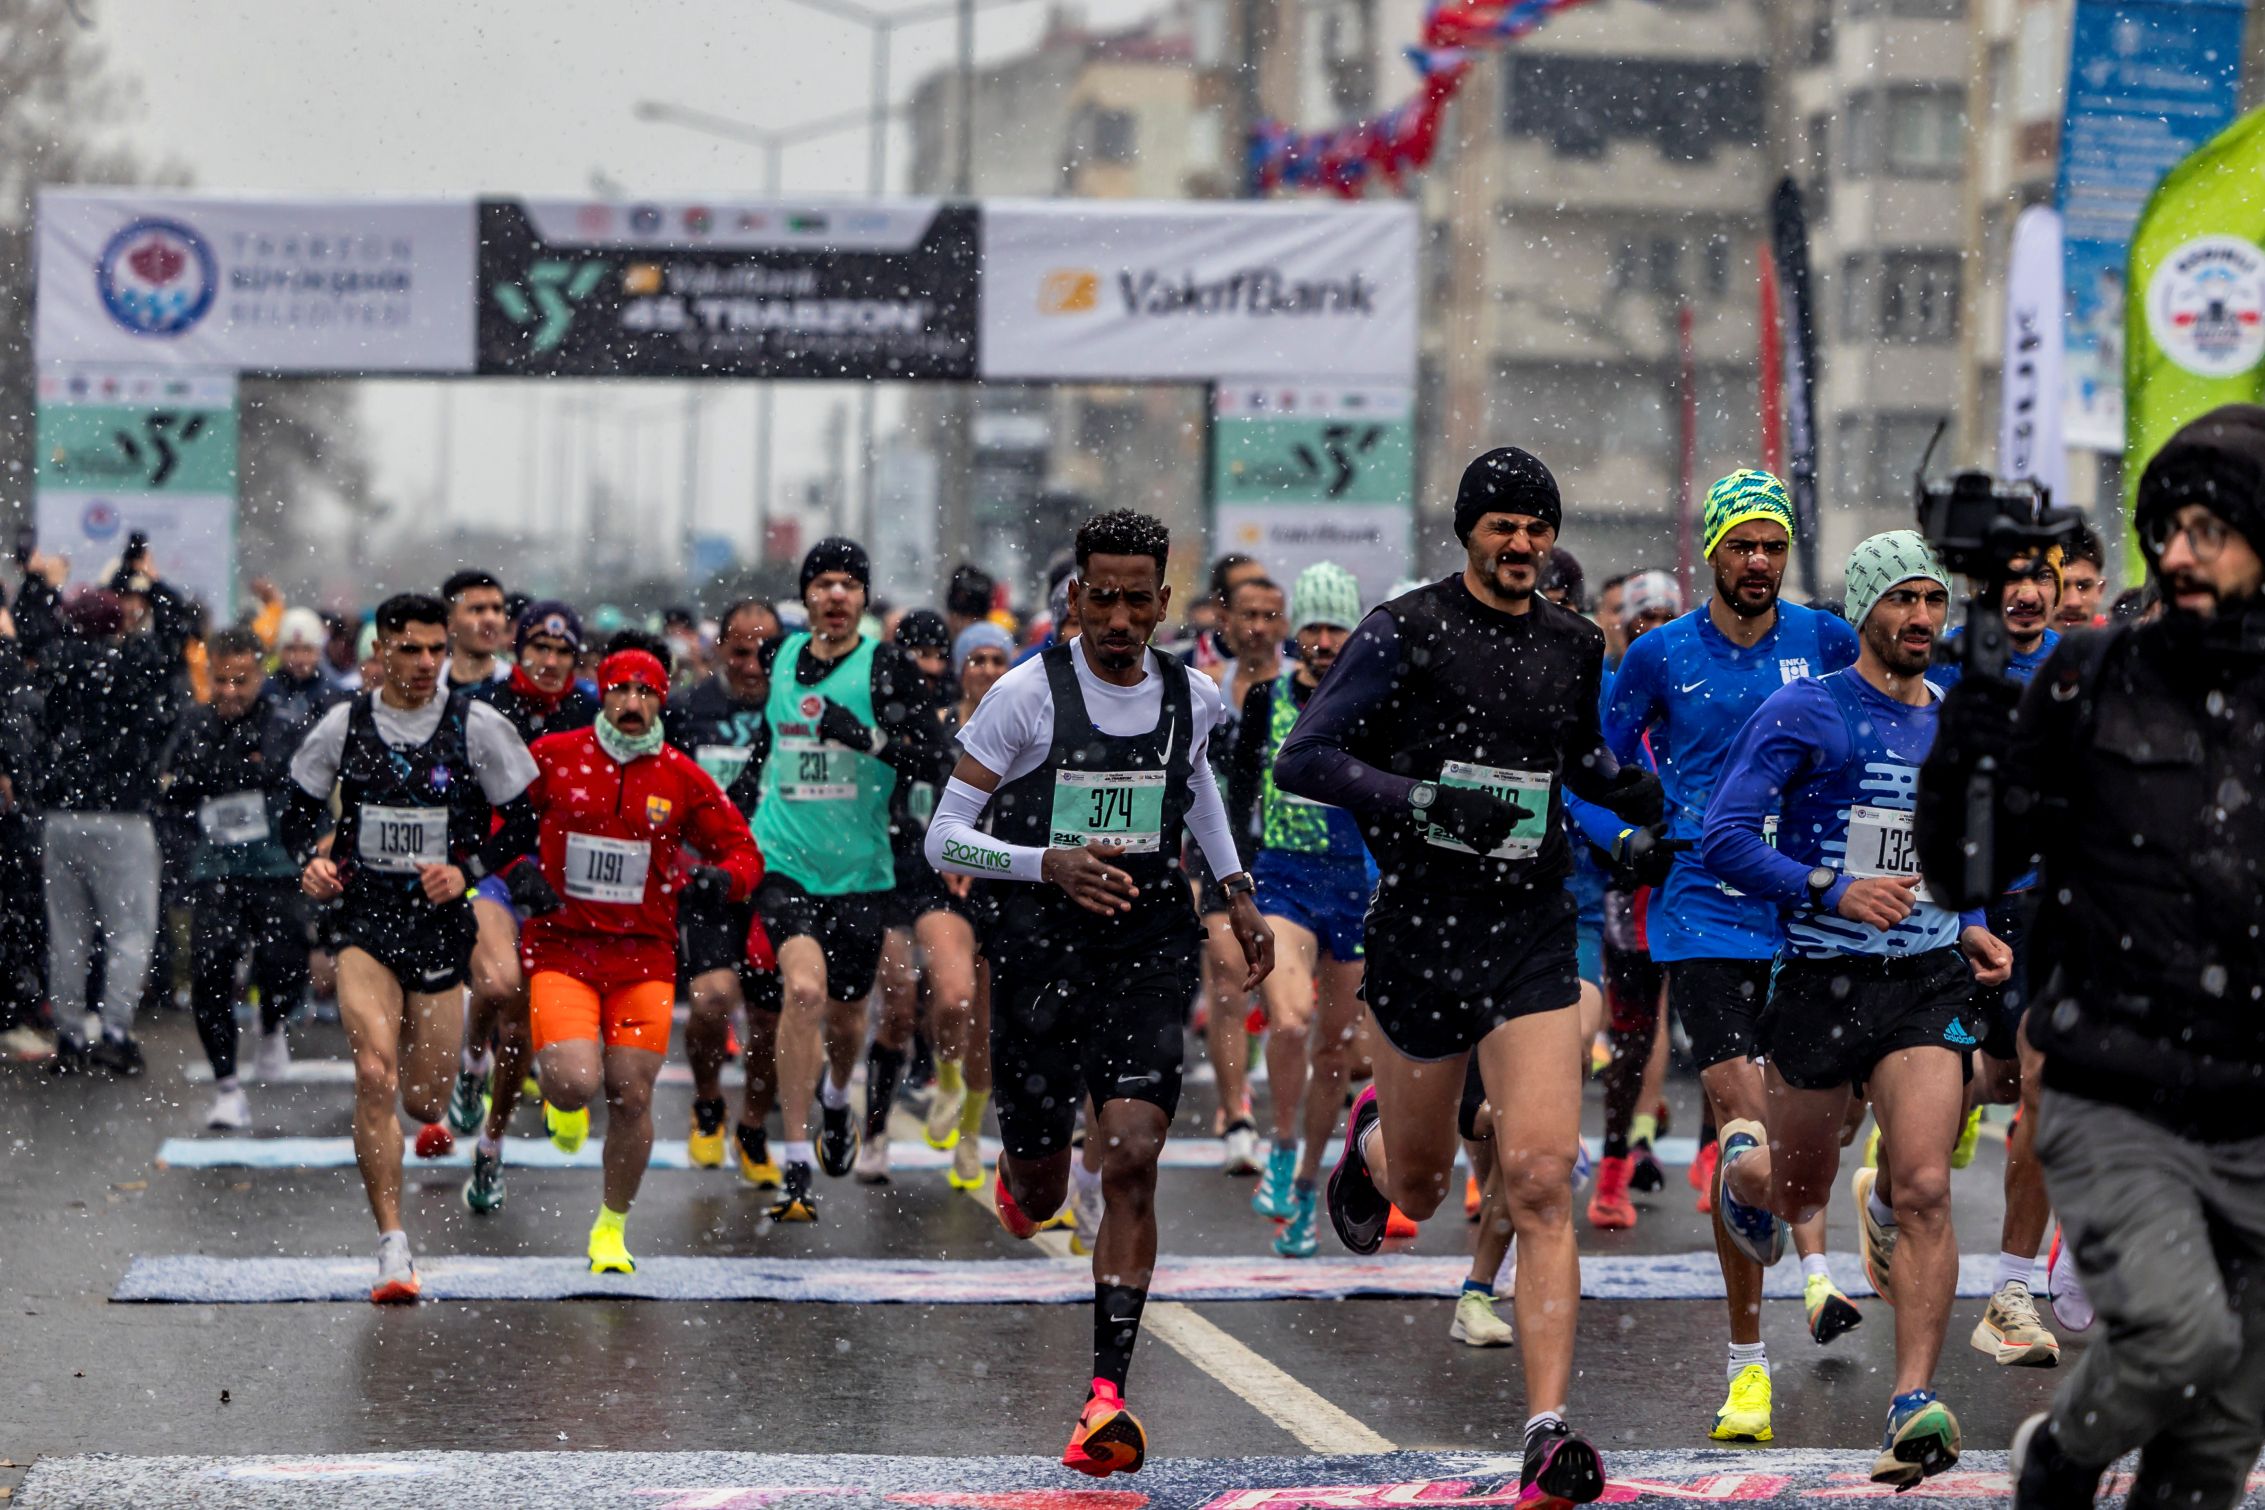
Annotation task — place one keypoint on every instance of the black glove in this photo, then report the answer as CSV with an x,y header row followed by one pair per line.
x,y
1476,818
1634,796
708,885
837,725
531,890
1644,856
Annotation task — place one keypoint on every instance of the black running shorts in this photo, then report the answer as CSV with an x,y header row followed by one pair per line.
x,y
847,927
426,948
1445,972
1828,1022
1719,1002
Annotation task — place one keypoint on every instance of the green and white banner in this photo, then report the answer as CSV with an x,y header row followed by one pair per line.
x,y
1300,475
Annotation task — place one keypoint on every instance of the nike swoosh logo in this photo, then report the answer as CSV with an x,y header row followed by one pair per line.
x,y
1695,686
1171,737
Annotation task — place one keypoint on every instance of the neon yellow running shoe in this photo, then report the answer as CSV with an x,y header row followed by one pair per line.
x,y
1962,1153
609,1253
704,1150
1745,1416
1830,1312
966,1172
568,1130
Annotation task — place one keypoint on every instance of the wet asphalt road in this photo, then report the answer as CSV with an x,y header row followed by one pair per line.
x,y
81,1196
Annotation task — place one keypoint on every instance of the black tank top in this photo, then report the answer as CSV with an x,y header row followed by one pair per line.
x,y
402,808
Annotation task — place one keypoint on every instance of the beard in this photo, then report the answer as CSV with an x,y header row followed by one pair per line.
x,y
1728,591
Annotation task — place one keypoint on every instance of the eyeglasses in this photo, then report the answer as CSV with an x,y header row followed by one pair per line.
x,y
1904,599
1771,548
2206,536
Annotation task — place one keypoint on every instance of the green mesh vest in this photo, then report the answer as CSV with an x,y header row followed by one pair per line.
x,y
1289,823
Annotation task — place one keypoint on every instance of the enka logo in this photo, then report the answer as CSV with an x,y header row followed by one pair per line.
x,y
557,287
156,277
969,854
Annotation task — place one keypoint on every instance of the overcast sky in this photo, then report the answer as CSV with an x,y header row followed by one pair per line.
x,y
533,97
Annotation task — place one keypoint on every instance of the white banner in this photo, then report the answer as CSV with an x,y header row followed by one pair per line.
x,y
255,285
1098,291
192,538
1371,540
2030,412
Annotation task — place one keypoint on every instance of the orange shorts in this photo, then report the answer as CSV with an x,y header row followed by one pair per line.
x,y
566,1010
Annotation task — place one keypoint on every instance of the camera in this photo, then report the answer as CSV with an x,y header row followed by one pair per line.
x,y
1980,525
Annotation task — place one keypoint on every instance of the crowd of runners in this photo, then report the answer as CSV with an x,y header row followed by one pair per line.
x,y
1435,861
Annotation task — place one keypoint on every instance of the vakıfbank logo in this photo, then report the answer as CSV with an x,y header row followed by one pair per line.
x,y
1249,292
157,277
558,286
1069,291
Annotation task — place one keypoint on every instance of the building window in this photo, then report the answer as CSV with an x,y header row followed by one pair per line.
x,y
1718,266
1919,297
1926,132
1581,105
1115,136
1625,261
1662,272
1860,150
1855,302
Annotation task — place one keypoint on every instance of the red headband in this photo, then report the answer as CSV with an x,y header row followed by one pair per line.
x,y
625,666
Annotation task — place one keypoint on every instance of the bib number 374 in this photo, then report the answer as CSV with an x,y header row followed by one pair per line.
x,y
1125,808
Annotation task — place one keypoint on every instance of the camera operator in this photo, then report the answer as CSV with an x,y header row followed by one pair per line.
x,y
2131,768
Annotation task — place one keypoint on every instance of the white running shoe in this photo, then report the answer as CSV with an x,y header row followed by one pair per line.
x,y
272,1064
230,1111
873,1161
397,1282
1242,1157
26,1044
1476,1325
2072,1308
1086,1206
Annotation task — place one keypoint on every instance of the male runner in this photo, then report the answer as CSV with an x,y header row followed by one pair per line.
x,y
1313,886
225,771
617,804
478,622
422,775
720,724
849,718
1685,691
1448,725
1874,986
1095,752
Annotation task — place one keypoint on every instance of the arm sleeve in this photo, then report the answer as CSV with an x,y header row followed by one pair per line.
x,y
1316,760
1245,777
1630,699
904,706
1771,753
1590,766
1598,824
957,847
1207,820
499,755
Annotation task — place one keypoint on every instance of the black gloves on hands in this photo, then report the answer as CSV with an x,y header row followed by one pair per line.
x,y
837,725
709,885
1635,796
1478,819
531,890
1644,856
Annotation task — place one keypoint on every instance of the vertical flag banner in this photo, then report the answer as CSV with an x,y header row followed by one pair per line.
x,y
1789,249
2197,325
2148,82
2030,440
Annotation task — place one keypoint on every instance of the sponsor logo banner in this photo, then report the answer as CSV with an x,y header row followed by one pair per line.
x,y
854,292
1301,474
255,285
192,537
1081,290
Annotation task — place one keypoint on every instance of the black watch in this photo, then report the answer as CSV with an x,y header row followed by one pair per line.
x,y
1820,883
1422,795
1240,884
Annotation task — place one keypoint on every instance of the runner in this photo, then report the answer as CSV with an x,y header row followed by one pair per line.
x,y
1449,724
224,772
413,837
478,622
539,696
1875,984
1096,753
617,803
1313,886
1683,692
849,718
720,724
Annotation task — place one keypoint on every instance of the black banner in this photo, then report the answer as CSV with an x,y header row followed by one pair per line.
x,y
1789,244
739,291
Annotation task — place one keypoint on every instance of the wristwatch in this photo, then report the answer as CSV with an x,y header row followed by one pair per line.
x,y
1422,795
1240,884
1820,882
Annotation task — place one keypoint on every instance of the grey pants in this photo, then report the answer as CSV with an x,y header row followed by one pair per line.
x,y
2170,1240
101,879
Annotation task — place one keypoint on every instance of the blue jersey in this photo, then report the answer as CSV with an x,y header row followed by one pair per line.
x,y
1837,761
1691,690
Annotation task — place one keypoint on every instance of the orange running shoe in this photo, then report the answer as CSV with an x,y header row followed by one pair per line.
x,y
1702,1175
1610,1210
435,1141
1108,1438
1397,1225
1473,1197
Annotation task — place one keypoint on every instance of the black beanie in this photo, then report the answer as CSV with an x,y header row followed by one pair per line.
x,y
837,553
1506,480
2217,461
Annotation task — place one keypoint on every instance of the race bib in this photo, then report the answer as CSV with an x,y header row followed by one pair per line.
x,y
1882,842
1116,807
238,818
403,840
816,771
1528,789
606,870
920,800
724,762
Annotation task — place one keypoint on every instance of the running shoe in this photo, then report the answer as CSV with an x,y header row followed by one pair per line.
x,y
1298,1237
1745,1416
704,1147
1921,1440
1702,1175
1241,1157
271,1065
1874,1243
1646,1177
568,1130
120,1056
837,1139
1474,1197
756,1166
944,1106
873,1161
1560,1470
230,1111
397,1282
1969,1135
609,1249
465,1113
1272,1198
1012,1217
1610,1210
1108,1438
1830,1312
795,1202
483,1192
26,1044
2043,1477
966,1172
1357,1209
1475,1323
1086,1209
2072,1308
2011,1332
1399,1227
1753,1230
435,1141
